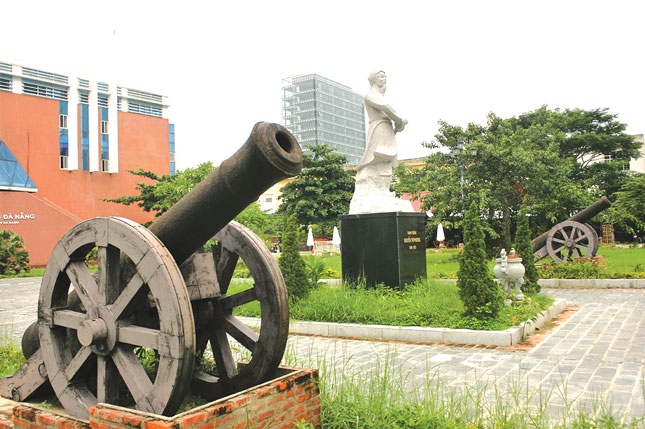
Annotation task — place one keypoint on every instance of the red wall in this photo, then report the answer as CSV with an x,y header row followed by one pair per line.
x,y
29,128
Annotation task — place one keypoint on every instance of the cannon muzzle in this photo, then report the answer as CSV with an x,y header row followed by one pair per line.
x,y
582,216
270,154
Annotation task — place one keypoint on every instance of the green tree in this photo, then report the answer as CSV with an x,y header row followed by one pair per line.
x,y
13,255
321,192
537,159
164,192
524,249
291,264
630,202
481,295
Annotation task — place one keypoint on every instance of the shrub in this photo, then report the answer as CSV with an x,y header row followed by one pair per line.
x,y
481,295
315,270
524,249
329,273
13,255
291,264
583,269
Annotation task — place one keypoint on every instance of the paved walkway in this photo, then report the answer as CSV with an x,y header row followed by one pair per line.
x,y
597,354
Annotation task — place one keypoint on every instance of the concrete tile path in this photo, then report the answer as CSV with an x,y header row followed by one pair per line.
x,y
597,354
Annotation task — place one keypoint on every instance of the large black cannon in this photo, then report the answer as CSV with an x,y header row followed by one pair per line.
x,y
571,238
134,332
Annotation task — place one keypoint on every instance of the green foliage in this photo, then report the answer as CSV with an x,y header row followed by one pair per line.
x,y
420,304
329,273
164,191
11,357
321,192
630,202
315,269
524,249
291,264
482,297
14,258
529,160
580,269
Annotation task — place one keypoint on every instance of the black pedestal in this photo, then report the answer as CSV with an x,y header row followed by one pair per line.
x,y
383,248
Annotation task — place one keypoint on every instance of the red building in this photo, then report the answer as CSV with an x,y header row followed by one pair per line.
x,y
65,144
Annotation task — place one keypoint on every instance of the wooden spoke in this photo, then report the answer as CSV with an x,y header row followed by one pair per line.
x,y
77,362
225,268
139,336
222,354
557,240
108,273
242,333
128,296
83,283
68,318
241,298
107,381
133,375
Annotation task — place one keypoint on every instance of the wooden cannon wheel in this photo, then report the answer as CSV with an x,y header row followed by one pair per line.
x,y
570,239
266,347
104,366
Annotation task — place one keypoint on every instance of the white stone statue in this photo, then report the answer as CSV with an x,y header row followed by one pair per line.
x,y
374,170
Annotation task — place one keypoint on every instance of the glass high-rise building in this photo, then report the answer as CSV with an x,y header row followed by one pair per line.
x,y
318,110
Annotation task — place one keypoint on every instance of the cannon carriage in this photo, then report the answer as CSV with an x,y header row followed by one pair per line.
x,y
133,333
571,238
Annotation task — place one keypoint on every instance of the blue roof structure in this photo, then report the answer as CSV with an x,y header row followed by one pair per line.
x,y
12,174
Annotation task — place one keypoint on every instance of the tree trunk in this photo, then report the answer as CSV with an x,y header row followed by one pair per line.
x,y
507,227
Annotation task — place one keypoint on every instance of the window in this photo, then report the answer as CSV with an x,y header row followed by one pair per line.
x,y
155,98
83,97
41,89
85,138
144,108
63,134
269,199
5,82
105,165
104,127
102,100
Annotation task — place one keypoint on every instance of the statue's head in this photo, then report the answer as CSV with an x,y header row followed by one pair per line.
x,y
377,78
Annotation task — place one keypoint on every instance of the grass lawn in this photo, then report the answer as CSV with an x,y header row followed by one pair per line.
x,y
623,259
423,304
444,263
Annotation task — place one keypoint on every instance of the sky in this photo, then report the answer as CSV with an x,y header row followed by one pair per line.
x,y
221,64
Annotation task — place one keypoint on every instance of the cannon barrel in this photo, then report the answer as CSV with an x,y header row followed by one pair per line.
x,y
270,154
582,216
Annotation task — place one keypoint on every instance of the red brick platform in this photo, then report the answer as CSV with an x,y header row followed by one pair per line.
x,y
278,403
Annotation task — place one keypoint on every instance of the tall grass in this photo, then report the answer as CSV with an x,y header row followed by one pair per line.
x,y
424,303
388,396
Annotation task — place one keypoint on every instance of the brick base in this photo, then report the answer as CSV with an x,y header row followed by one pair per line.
x,y
278,403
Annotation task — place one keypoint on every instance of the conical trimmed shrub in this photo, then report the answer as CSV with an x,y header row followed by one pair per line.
x,y
480,294
524,249
291,264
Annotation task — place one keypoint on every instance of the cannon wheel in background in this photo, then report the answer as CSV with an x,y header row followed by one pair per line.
x,y
266,347
570,239
106,368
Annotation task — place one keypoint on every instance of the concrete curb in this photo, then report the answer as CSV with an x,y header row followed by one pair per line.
x,y
579,283
547,283
593,283
507,337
